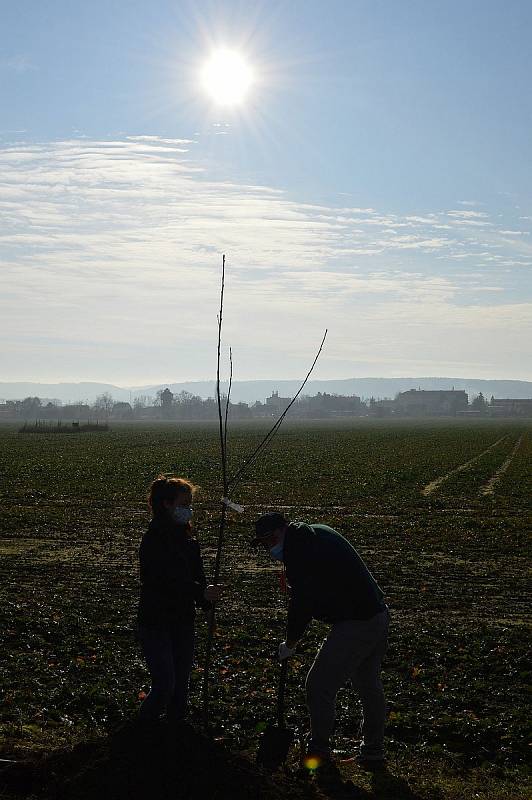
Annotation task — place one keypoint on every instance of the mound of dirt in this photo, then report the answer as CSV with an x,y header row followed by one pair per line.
x,y
162,762
139,761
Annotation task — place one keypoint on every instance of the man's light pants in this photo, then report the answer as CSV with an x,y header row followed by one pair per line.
x,y
353,650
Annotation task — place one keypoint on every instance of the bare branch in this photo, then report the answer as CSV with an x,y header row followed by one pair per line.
x,y
218,396
227,403
273,430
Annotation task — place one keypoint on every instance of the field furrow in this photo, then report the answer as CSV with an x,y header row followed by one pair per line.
x,y
489,487
434,485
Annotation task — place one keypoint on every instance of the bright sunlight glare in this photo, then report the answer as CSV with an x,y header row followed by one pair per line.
x,y
226,77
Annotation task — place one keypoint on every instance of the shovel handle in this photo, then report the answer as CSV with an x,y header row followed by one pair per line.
x,y
281,692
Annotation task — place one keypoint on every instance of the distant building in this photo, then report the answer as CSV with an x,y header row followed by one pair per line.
x,y
260,410
276,403
167,398
508,407
382,408
427,403
122,411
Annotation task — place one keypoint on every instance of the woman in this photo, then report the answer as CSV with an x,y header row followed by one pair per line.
x,y
172,584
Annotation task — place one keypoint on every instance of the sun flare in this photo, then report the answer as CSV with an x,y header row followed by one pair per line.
x,y
226,78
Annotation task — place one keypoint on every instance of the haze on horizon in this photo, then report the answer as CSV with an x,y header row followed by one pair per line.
x,y
370,174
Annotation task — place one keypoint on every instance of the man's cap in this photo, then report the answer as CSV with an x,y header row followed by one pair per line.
x,y
267,523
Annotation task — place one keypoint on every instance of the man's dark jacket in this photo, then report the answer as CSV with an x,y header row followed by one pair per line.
x,y
327,578
171,574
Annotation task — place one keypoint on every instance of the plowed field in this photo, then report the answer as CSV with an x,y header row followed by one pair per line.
x,y
453,562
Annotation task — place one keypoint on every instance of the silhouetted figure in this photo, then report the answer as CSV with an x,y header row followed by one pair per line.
x,y
329,581
172,585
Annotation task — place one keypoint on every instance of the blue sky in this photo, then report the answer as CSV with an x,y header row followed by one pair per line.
x,y
376,182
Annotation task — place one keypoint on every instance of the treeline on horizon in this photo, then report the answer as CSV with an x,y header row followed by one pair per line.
x,y
180,406
186,406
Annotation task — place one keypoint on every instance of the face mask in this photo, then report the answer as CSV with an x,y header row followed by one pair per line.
x,y
276,551
182,514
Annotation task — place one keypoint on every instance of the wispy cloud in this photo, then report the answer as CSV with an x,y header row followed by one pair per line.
x,y
18,63
116,245
476,219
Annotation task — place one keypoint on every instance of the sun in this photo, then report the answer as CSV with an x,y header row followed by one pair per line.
x,y
226,77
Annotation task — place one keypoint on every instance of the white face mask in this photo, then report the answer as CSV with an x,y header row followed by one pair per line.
x,y
182,514
276,551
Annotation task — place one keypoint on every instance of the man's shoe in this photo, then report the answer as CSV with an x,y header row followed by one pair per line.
x,y
328,776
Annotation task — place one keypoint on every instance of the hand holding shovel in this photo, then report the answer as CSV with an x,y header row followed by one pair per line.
x,y
277,739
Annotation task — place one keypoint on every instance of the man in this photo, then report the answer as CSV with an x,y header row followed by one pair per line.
x,y
329,581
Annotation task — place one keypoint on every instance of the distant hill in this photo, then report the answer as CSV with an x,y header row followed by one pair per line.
x,y
66,392
250,391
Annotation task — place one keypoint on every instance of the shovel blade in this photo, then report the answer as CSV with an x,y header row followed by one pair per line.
x,y
274,746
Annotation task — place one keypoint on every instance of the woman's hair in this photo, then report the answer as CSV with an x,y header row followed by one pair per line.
x,y
167,489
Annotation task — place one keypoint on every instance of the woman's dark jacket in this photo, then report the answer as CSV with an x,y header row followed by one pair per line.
x,y
171,575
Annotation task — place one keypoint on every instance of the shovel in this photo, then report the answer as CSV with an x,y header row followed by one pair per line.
x,y
276,740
